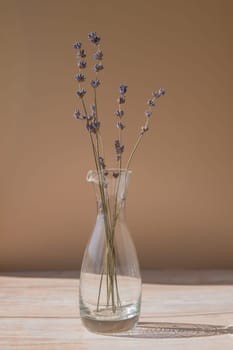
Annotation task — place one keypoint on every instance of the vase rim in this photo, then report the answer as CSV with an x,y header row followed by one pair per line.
x,y
91,175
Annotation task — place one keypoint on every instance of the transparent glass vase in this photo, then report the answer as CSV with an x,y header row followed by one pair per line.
x,y
110,281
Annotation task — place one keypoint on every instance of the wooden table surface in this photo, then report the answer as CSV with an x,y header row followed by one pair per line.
x,y
180,310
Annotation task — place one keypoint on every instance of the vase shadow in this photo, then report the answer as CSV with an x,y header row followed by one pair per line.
x,y
159,330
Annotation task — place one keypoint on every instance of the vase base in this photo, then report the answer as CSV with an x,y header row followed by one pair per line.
x,y
102,326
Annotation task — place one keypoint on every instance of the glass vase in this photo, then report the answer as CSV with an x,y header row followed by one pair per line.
x,y
110,281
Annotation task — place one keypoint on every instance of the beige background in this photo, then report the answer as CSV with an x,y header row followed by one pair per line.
x,y
180,202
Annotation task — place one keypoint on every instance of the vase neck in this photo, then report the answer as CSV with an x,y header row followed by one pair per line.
x,y
111,190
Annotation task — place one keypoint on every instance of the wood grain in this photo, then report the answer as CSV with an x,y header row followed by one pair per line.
x,y
180,310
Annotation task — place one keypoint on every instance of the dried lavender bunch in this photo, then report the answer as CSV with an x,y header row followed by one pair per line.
x,y
92,121
93,127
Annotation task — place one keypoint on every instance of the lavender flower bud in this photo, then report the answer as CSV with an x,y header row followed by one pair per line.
x,y
121,99
119,148
117,143
159,93
148,113
123,89
81,53
96,124
95,83
91,35
81,93
120,125
98,67
155,94
93,110
93,126
102,163
144,129
162,91
119,113
89,127
96,41
82,64
151,102
98,55
80,77
94,38
77,45
78,115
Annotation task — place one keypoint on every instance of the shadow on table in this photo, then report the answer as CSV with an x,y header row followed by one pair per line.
x,y
166,330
